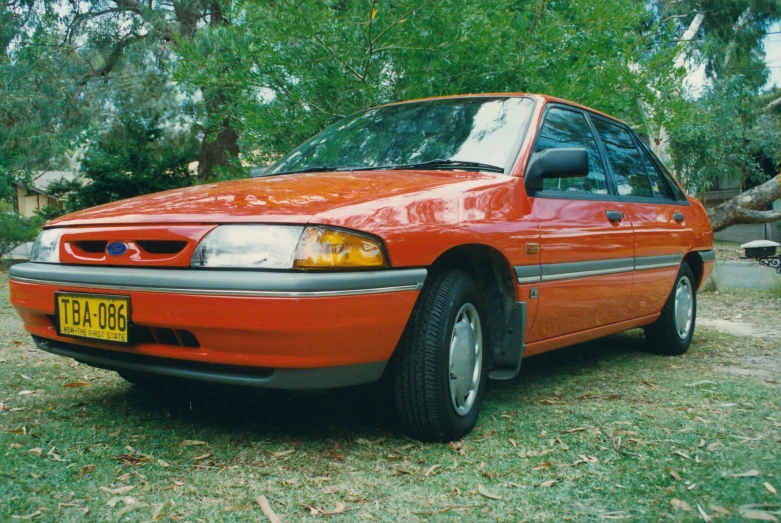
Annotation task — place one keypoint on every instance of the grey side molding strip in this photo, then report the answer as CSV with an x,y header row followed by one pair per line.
x,y
707,256
658,262
566,271
222,282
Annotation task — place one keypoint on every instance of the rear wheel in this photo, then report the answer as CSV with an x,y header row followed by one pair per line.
x,y
672,333
439,369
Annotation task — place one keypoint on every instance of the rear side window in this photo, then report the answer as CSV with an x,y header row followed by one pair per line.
x,y
660,170
567,129
625,159
658,185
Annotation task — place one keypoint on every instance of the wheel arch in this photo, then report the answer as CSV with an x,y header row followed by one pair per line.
x,y
495,279
694,259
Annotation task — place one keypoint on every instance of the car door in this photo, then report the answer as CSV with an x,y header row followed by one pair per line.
x,y
585,237
661,232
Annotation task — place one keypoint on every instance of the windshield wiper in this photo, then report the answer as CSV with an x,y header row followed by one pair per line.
x,y
316,169
440,164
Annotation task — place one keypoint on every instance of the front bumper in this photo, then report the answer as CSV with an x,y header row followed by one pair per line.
x,y
273,322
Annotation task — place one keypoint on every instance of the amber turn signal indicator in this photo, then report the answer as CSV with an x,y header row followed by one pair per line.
x,y
324,248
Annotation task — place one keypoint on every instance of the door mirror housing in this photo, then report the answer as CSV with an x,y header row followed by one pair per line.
x,y
556,163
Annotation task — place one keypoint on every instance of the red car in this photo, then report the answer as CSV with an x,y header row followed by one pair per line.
x,y
439,241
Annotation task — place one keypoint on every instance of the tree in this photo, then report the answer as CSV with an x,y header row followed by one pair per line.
x,y
138,156
14,231
69,69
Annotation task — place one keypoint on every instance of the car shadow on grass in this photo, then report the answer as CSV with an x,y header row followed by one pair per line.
x,y
351,413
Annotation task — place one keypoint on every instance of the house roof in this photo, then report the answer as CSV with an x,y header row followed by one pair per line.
x,y
42,179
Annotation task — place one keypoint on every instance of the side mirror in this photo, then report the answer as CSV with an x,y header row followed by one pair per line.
x,y
257,172
556,163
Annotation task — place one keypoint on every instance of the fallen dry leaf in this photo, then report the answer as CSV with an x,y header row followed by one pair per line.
x,y
749,474
161,507
431,469
76,385
266,508
675,475
548,483
118,490
36,450
201,457
86,470
29,516
283,453
162,463
704,515
543,465
21,430
339,508
485,492
758,515
770,488
130,459
682,454
719,509
26,392
191,443
677,503
714,447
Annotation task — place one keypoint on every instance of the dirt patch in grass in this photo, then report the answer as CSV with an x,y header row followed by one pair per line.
x,y
739,328
766,367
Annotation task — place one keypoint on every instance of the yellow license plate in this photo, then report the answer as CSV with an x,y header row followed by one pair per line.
x,y
93,316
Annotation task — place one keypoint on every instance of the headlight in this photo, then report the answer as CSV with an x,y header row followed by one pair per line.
x,y
248,247
287,247
325,248
46,248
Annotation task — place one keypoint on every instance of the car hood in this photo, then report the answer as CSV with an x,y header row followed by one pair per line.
x,y
294,198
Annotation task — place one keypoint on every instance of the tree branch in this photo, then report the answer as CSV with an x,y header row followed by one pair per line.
x,y
338,59
772,105
748,206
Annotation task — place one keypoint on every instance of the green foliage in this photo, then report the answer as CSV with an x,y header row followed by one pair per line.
x,y
15,230
724,139
289,75
136,157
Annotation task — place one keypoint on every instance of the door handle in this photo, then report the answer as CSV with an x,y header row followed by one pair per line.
x,y
678,217
614,216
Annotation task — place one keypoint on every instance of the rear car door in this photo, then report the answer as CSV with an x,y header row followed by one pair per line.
x,y
657,208
585,236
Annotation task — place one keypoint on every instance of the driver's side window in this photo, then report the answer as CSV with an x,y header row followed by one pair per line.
x,y
569,129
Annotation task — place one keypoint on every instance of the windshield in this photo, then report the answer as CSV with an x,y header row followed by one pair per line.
x,y
479,133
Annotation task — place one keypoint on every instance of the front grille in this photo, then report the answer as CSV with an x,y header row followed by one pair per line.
x,y
92,246
161,246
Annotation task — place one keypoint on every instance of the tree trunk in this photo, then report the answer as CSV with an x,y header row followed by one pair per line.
x,y
747,207
220,141
217,150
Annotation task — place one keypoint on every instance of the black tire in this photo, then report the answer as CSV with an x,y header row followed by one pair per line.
x,y
663,336
420,368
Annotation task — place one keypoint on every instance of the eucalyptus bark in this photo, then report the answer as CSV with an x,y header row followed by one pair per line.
x,y
748,206
220,141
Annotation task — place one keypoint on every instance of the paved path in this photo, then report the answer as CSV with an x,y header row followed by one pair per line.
x,y
744,275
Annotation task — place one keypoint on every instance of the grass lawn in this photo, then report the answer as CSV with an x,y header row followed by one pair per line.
x,y
602,431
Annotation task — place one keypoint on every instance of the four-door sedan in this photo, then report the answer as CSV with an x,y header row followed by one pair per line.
x,y
438,241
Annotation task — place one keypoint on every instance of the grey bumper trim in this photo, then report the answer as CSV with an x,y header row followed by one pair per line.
x,y
290,379
227,282
707,256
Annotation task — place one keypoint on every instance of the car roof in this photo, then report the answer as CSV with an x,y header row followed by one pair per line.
x,y
540,97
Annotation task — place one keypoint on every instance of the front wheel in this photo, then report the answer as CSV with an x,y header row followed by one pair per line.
x,y
439,369
672,333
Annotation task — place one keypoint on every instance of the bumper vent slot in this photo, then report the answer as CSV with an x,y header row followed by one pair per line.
x,y
161,246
